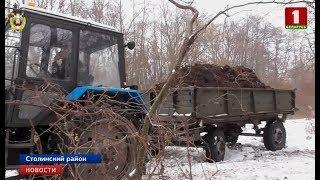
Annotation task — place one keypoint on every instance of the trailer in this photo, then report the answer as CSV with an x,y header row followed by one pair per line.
x,y
215,115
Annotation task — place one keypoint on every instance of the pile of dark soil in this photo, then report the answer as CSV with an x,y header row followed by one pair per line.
x,y
208,75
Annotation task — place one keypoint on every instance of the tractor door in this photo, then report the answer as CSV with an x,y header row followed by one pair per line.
x,y
48,56
12,49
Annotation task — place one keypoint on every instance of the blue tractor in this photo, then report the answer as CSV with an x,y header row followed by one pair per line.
x,y
83,60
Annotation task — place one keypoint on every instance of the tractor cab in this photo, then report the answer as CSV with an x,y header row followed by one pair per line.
x,y
67,51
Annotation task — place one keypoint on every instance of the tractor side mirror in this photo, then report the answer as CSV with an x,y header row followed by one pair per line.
x,y
130,45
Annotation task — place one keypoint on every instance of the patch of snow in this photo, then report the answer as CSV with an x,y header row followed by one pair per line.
x,y
203,133
10,173
299,135
163,114
177,114
132,173
218,115
201,123
249,159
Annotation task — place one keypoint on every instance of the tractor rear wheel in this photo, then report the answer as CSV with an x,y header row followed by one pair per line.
x,y
112,136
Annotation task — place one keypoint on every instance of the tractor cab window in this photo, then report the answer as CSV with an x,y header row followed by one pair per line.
x,y
49,54
98,59
12,44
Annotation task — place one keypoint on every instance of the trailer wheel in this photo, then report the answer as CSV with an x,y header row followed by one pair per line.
x,y
215,145
157,142
155,148
274,136
232,140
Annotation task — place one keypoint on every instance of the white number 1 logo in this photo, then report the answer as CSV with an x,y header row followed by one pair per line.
x,y
295,14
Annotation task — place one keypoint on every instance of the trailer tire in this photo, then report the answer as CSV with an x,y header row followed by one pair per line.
x,y
274,136
156,147
232,141
215,145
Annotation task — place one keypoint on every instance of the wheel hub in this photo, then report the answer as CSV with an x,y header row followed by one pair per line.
x,y
278,135
219,144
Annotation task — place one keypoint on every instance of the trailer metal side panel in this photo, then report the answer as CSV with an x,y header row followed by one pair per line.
x,y
211,102
285,100
263,101
167,107
183,101
239,102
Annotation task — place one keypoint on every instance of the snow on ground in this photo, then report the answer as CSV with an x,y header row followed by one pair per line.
x,y
10,173
249,160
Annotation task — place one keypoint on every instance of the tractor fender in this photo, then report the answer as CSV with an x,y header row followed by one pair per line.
x,y
128,94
